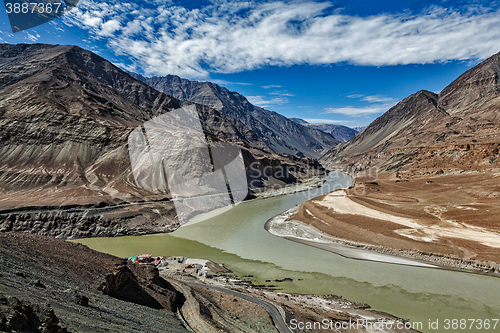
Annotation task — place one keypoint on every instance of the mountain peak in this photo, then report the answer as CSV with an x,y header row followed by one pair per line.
x,y
469,88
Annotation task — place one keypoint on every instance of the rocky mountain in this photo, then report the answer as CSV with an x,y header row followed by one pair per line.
x,y
339,132
65,118
459,128
280,133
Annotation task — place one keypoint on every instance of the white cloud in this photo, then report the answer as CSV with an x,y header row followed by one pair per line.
x,y
31,37
224,82
378,99
91,21
326,121
357,111
227,37
265,102
373,98
271,86
130,68
280,93
379,104
108,28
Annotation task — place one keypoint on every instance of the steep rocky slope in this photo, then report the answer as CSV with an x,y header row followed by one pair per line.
x,y
459,128
88,291
280,133
65,117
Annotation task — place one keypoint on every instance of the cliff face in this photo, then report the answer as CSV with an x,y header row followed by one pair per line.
x,y
65,117
280,133
459,128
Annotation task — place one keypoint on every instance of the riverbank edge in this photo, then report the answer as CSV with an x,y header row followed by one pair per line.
x,y
75,222
440,261
277,298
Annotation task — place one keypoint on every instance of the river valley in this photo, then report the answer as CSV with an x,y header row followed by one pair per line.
x,y
237,239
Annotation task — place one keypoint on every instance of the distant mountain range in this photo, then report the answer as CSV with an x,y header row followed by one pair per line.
x,y
65,117
459,128
339,132
278,132
359,128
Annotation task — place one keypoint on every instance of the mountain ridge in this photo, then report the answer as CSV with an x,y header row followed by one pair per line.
x,y
458,128
280,133
339,132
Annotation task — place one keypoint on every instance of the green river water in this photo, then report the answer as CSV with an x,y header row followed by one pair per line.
x,y
237,239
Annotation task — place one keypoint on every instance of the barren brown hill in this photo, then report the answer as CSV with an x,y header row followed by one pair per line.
x,y
459,128
65,116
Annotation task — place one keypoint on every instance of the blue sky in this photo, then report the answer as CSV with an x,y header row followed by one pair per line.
x,y
344,62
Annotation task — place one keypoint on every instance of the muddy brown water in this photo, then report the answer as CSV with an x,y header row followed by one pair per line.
x,y
237,239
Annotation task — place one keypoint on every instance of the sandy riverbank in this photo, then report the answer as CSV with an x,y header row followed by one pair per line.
x,y
427,220
283,226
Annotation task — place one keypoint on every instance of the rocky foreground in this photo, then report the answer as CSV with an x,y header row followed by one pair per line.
x,y
43,279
